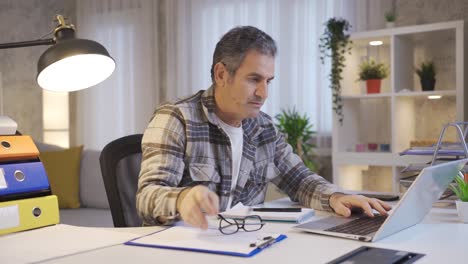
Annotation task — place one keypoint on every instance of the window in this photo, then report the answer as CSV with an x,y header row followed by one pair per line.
x,y
55,113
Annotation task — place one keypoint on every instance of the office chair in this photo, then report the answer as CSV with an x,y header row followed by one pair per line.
x,y
120,166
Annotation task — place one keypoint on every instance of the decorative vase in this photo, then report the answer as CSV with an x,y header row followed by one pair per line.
x,y
427,84
372,146
384,147
389,24
373,86
360,147
462,209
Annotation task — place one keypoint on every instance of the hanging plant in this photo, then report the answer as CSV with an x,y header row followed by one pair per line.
x,y
335,43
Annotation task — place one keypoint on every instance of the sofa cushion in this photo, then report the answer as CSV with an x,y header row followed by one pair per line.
x,y
42,147
86,217
63,170
92,190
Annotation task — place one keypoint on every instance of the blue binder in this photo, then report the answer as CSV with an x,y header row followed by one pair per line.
x,y
23,180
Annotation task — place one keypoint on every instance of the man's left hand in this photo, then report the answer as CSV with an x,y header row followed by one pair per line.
x,y
343,203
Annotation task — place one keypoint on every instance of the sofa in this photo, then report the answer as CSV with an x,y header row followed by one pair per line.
x,y
94,210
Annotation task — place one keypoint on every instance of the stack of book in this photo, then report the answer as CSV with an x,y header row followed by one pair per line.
x,y
25,196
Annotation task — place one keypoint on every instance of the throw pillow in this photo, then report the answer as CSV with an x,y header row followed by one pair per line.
x,y
63,170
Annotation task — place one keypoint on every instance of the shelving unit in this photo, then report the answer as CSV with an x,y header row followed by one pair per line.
x,y
440,153
401,114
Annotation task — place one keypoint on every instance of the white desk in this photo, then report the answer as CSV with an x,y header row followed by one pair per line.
x,y
440,236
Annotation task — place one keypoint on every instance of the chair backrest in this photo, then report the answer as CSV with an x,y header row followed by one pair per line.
x,y
120,166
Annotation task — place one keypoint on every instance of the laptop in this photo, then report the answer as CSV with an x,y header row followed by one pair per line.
x,y
410,210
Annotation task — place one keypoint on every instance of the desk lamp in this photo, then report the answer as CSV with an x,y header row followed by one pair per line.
x,y
71,64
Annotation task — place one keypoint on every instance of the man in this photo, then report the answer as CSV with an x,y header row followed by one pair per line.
x,y
206,153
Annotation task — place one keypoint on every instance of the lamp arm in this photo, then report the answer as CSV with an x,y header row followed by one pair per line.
x,y
30,43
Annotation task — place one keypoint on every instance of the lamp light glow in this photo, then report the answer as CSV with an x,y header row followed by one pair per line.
x,y
434,97
76,72
376,43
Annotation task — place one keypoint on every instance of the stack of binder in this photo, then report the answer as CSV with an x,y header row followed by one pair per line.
x,y
25,196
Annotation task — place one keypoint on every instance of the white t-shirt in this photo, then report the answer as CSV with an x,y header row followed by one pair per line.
x,y
236,136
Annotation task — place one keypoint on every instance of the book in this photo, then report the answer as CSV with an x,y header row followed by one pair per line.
x,y
7,126
240,244
241,211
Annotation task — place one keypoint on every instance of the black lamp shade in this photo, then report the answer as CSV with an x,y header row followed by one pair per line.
x,y
74,64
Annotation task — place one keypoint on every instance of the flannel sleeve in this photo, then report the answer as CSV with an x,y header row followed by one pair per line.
x,y
162,166
301,184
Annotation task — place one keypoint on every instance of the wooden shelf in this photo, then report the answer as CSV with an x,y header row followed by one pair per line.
x,y
407,30
367,96
426,93
401,113
363,158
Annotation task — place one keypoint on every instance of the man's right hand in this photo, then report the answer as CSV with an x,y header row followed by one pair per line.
x,y
193,202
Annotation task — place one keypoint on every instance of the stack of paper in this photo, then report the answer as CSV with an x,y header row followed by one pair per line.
x,y
241,211
445,150
8,126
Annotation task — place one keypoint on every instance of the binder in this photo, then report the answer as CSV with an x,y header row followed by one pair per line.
x,y
23,180
27,214
17,148
240,244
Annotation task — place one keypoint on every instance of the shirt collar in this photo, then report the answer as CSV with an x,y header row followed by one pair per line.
x,y
249,125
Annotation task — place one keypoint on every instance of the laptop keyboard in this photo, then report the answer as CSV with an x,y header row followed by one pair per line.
x,y
360,226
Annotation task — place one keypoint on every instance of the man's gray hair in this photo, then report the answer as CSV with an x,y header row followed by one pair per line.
x,y
235,44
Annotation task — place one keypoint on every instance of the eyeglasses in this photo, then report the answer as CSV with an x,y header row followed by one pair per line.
x,y
248,224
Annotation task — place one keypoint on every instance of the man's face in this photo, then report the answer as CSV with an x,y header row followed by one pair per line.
x,y
242,95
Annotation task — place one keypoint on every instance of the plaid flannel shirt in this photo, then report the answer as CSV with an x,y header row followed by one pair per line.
x,y
184,146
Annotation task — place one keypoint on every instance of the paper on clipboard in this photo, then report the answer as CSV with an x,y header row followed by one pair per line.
x,y
242,244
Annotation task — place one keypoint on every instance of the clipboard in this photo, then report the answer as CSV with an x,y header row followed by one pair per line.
x,y
240,244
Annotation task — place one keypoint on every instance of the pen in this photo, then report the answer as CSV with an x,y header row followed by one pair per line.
x,y
284,209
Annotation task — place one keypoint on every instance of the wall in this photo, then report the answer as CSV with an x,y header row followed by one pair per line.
x,y
415,12
23,20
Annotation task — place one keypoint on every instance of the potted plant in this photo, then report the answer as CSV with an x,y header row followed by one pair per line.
x,y
373,73
461,190
426,73
298,132
335,43
390,17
